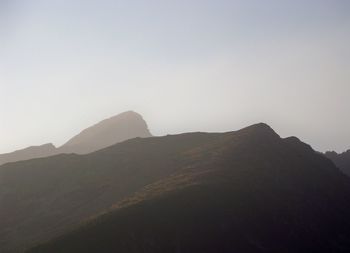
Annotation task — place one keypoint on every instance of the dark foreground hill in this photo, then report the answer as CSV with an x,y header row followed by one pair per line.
x,y
244,191
342,160
42,198
108,132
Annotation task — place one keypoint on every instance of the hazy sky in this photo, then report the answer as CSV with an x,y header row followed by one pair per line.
x,y
185,65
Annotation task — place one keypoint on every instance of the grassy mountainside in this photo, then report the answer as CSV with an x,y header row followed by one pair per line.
x,y
44,197
245,191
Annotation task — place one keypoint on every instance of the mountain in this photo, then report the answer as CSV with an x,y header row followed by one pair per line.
x,y
110,131
243,191
42,198
28,153
341,160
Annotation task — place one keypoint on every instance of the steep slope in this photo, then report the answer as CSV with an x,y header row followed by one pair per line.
x,y
42,198
245,191
110,131
341,160
28,153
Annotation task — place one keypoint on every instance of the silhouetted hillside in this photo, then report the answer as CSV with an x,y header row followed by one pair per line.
x,y
41,198
28,153
341,160
248,191
108,132
244,191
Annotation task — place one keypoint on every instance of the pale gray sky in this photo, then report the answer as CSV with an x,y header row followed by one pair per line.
x,y
185,65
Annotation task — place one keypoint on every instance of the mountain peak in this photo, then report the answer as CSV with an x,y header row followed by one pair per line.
x,y
261,129
130,112
118,128
126,114
121,127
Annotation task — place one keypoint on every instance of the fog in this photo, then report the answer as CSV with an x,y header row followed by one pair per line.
x,y
184,65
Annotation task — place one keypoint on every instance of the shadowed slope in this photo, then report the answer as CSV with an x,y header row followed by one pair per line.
x,y
341,160
245,191
41,198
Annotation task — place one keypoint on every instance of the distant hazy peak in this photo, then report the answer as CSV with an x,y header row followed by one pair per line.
x,y
118,128
28,153
121,127
46,146
128,115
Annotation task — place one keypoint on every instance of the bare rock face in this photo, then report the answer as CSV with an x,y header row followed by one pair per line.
x,y
28,153
108,132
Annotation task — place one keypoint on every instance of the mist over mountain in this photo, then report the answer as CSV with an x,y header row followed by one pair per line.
x,y
220,67
28,153
110,131
342,160
243,191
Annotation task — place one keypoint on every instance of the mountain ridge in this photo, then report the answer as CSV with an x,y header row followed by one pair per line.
x,y
196,174
107,132
341,160
237,185
28,153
